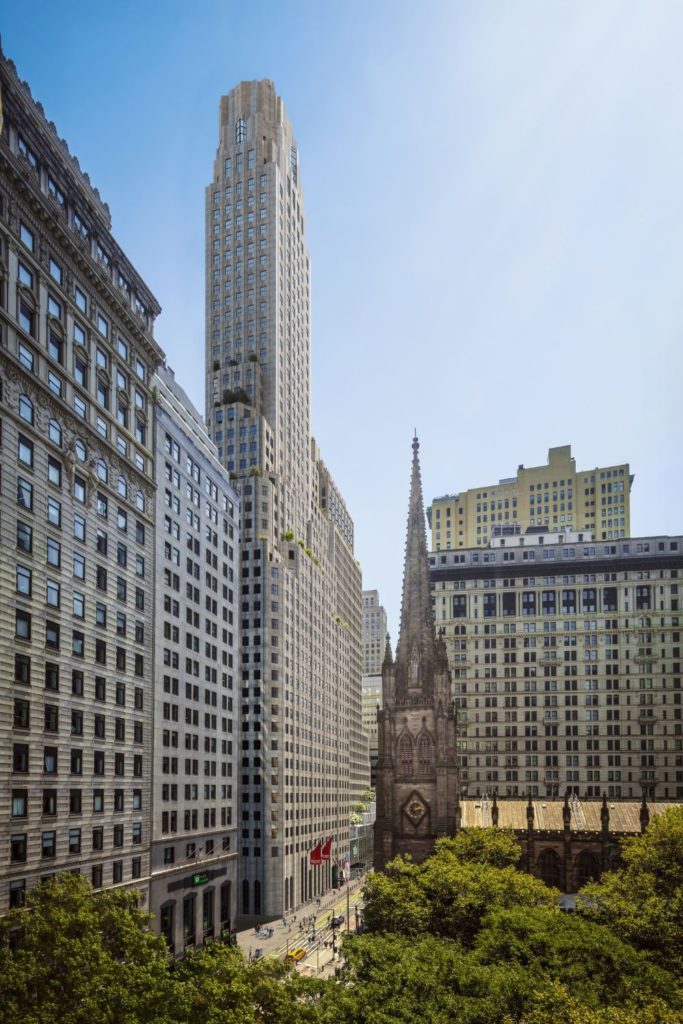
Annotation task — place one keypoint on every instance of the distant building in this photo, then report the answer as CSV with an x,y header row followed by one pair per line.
x,y
374,633
565,655
556,496
372,702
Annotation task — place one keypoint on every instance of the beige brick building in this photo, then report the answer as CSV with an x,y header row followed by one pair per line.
x,y
556,496
565,656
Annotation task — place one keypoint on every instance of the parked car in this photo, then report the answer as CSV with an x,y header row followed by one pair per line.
x,y
336,922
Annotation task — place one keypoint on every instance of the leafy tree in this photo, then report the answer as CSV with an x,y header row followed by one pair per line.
x,y
594,963
496,847
80,957
217,987
393,979
643,902
554,1004
446,895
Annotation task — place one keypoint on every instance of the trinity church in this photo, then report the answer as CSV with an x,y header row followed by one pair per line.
x,y
417,774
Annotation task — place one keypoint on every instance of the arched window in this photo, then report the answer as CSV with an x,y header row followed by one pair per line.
x,y
287,893
549,867
405,754
257,896
425,754
140,501
81,451
122,487
26,408
245,896
587,868
102,471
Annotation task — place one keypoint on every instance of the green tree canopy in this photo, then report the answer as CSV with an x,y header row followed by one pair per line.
x,y
496,847
594,963
81,957
643,901
449,896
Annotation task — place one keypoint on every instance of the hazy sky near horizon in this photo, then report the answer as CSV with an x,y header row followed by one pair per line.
x,y
494,207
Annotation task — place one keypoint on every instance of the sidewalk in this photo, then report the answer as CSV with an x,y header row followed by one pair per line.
x,y
316,931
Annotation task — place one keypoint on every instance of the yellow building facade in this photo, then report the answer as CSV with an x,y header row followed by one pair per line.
x,y
554,496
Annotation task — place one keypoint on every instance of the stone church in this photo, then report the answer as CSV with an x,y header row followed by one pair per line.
x,y
417,774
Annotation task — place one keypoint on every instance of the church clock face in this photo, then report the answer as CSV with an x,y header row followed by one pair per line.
x,y
415,809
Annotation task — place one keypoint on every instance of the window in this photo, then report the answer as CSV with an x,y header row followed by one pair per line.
x,y
24,537
22,714
18,847
55,346
54,512
79,567
25,275
78,605
77,763
55,271
50,760
25,357
54,552
24,578
22,627
79,522
52,635
25,451
22,669
80,299
20,758
25,494
26,317
54,432
103,328
52,593
19,803
54,471
26,236
49,844
26,408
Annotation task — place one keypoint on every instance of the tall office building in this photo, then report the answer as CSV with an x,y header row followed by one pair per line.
x,y
300,638
77,354
557,496
565,656
194,790
374,633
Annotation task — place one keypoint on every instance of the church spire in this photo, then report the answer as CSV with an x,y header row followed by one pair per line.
x,y
416,654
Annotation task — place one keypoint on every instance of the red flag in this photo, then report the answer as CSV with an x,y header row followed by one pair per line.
x,y
327,848
316,854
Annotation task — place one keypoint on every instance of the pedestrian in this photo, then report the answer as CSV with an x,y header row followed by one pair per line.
x,y
250,954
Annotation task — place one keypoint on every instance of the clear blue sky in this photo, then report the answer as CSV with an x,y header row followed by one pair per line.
x,y
494,197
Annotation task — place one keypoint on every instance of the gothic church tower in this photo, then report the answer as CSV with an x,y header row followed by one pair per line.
x,y
417,774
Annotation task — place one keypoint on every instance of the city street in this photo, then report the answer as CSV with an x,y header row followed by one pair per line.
x,y
309,928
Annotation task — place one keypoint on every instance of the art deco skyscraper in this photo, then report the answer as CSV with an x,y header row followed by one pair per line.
x,y
300,595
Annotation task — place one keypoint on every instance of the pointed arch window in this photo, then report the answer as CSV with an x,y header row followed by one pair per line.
x,y
405,754
425,754
550,868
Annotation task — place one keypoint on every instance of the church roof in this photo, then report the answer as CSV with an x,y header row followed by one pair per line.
x,y
624,816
